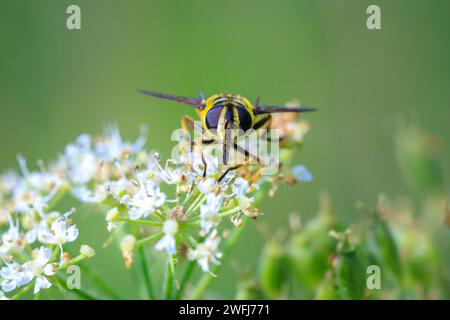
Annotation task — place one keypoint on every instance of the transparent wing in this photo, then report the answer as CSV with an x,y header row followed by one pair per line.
x,y
190,101
260,109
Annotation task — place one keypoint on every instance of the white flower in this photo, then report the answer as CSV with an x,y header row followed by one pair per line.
x,y
14,275
31,235
84,194
240,190
112,147
111,217
41,282
8,181
26,200
146,200
209,212
167,242
79,161
240,186
199,163
59,233
206,252
244,202
121,189
39,268
43,181
10,239
302,174
206,186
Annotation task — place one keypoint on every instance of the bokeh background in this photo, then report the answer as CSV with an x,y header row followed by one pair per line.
x,y
56,84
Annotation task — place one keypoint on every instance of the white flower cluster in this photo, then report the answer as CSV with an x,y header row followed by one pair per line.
x,y
178,205
32,233
200,202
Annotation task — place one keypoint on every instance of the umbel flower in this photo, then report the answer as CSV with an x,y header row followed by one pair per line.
x,y
184,206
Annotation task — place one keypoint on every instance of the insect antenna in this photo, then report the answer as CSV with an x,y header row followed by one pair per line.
x,y
201,96
256,104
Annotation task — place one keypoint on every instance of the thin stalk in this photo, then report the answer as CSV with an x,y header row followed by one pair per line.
x,y
100,282
158,215
146,273
229,212
72,261
146,222
154,237
23,291
52,203
168,282
186,199
198,204
194,203
79,293
185,278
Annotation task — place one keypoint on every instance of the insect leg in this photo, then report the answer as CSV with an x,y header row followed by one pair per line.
x,y
186,123
205,166
263,123
230,169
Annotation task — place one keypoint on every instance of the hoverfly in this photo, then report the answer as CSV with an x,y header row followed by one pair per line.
x,y
224,115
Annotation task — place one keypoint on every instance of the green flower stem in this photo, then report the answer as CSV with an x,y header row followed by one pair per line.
x,y
61,192
24,290
200,289
54,253
159,215
146,222
146,273
186,199
149,239
195,204
194,221
168,283
229,212
79,293
73,261
101,283
184,280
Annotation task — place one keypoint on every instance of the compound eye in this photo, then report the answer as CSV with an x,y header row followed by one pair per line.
x,y
245,120
212,117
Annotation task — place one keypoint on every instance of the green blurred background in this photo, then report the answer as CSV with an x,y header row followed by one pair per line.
x,y
56,84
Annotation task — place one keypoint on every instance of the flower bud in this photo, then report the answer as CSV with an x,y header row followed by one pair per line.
x,y
383,246
87,251
112,215
127,246
350,268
